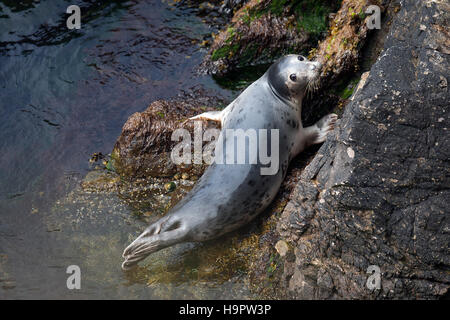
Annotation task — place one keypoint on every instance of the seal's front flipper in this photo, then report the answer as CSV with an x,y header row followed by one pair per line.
x,y
210,115
318,132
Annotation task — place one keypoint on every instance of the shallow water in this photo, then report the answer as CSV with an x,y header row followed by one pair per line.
x,y
65,95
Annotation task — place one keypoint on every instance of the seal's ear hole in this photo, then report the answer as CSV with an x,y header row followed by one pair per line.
x,y
293,77
173,226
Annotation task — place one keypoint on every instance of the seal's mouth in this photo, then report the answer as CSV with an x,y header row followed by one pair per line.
x,y
314,80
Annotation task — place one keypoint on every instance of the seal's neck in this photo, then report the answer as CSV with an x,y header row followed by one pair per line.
x,y
295,103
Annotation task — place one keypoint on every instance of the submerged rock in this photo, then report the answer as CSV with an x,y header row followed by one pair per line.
x,y
377,192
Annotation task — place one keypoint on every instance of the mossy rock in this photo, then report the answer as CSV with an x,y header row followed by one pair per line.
x,y
262,31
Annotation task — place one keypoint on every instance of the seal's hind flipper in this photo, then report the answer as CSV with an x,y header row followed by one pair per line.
x,y
163,233
210,115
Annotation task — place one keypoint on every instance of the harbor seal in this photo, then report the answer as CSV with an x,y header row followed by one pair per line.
x,y
228,196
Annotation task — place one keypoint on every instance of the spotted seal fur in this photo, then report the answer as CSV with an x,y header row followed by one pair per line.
x,y
228,196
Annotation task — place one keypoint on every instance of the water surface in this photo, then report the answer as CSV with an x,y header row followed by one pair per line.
x,y
65,94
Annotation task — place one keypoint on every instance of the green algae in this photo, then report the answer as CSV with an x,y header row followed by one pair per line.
x,y
225,51
170,186
248,55
311,14
241,78
345,88
161,114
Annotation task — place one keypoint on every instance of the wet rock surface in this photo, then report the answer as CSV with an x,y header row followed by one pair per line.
x,y
376,193
228,7
144,147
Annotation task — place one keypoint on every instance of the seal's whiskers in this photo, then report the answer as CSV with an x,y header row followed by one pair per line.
x,y
312,86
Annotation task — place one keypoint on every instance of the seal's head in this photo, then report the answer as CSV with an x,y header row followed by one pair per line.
x,y
291,76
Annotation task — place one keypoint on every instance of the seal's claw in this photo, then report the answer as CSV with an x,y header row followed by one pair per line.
x,y
127,266
331,121
327,123
324,125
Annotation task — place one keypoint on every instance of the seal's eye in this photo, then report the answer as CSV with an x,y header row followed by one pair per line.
x,y
293,77
301,58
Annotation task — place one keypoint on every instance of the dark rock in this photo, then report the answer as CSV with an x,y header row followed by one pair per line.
x,y
377,192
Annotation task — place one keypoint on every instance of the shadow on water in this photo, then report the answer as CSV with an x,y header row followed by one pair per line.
x,y
65,95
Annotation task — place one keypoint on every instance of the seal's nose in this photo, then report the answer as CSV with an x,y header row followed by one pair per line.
x,y
316,65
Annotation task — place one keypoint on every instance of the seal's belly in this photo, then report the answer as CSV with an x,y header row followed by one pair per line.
x,y
239,194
